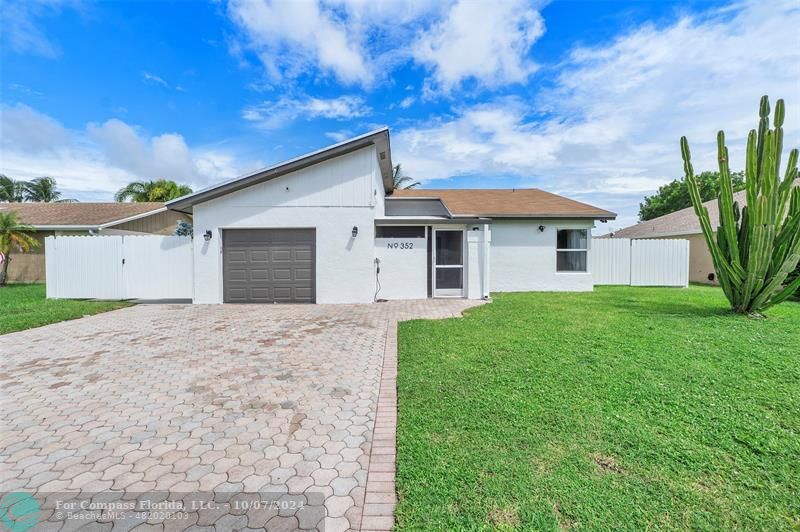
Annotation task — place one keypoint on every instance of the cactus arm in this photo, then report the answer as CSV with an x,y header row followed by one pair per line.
x,y
731,277
785,293
780,113
726,215
763,126
763,236
785,240
751,167
787,184
794,203
744,237
762,300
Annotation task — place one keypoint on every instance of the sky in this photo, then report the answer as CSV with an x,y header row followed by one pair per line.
x,y
584,99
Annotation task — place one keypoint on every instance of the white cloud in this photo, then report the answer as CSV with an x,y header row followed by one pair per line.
x,y
340,135
612,122
289,37
154,79
271,115
487,44
95,162
407,102
27,130
361,41
21,29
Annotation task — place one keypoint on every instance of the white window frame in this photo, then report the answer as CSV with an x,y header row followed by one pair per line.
x,y
585,250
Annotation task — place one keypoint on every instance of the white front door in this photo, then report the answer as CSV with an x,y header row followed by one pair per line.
x,y
448,263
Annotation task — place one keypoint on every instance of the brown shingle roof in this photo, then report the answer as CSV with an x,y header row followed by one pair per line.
x,y
682,222
525,202
78,214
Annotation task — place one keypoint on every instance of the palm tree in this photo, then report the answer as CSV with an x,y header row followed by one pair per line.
x,y
11,189
158,190
401,181
43,189
13,236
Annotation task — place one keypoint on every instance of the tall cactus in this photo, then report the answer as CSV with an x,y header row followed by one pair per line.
x,y
758,246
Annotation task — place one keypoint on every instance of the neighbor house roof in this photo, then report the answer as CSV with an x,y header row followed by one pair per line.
x,y
379,138
508,203
682,222
79,215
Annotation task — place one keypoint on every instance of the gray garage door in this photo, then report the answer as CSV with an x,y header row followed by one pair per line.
x,y
269,265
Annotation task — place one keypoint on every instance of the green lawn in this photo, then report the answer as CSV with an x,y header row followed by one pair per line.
x,y
23,306
626,408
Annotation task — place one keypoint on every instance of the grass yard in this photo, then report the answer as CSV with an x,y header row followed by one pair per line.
x,y
24,306
627,408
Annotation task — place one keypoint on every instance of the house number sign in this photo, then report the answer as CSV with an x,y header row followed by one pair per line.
x,y
400,245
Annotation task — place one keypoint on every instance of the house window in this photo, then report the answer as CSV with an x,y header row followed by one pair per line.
x,y
571,249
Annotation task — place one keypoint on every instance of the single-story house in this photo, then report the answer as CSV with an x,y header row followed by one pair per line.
x,y
327,227
62,219
684,224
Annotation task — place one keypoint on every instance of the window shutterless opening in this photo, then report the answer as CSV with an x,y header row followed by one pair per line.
x,y
571,250
399,231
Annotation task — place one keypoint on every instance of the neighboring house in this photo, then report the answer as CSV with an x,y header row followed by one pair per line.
x,y
326,227
57,219
684,224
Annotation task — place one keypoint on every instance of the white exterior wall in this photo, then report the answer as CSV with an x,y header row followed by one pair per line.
x,y
524,259
404,270
332,197
476,278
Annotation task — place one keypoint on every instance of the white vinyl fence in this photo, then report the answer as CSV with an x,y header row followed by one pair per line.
x,y
640,262
119,267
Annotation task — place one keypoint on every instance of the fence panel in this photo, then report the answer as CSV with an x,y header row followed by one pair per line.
x,y
119,267
157,267
660,263
640,262
84,267
611,261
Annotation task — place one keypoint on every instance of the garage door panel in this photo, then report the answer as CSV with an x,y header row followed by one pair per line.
x,y
281,274
237,294
303,274
284,294
281,255
259,275
303,255
237,275
304,295
260,294
238,255
269,265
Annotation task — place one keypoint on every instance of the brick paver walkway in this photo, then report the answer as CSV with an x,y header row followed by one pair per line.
x,y
218,417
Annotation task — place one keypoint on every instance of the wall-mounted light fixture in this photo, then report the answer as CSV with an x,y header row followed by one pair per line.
x,y
541,229
355,231
207,235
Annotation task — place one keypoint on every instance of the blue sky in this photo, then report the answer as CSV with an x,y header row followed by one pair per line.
x,y
586,99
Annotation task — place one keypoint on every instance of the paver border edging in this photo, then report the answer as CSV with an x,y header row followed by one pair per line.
x,y
381,495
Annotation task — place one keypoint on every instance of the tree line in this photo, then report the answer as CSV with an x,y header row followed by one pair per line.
x,y
45,190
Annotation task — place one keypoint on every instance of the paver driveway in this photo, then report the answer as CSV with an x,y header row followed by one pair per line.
x,y
247,416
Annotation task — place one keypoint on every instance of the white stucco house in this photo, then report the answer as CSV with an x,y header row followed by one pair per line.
x,y
327,227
